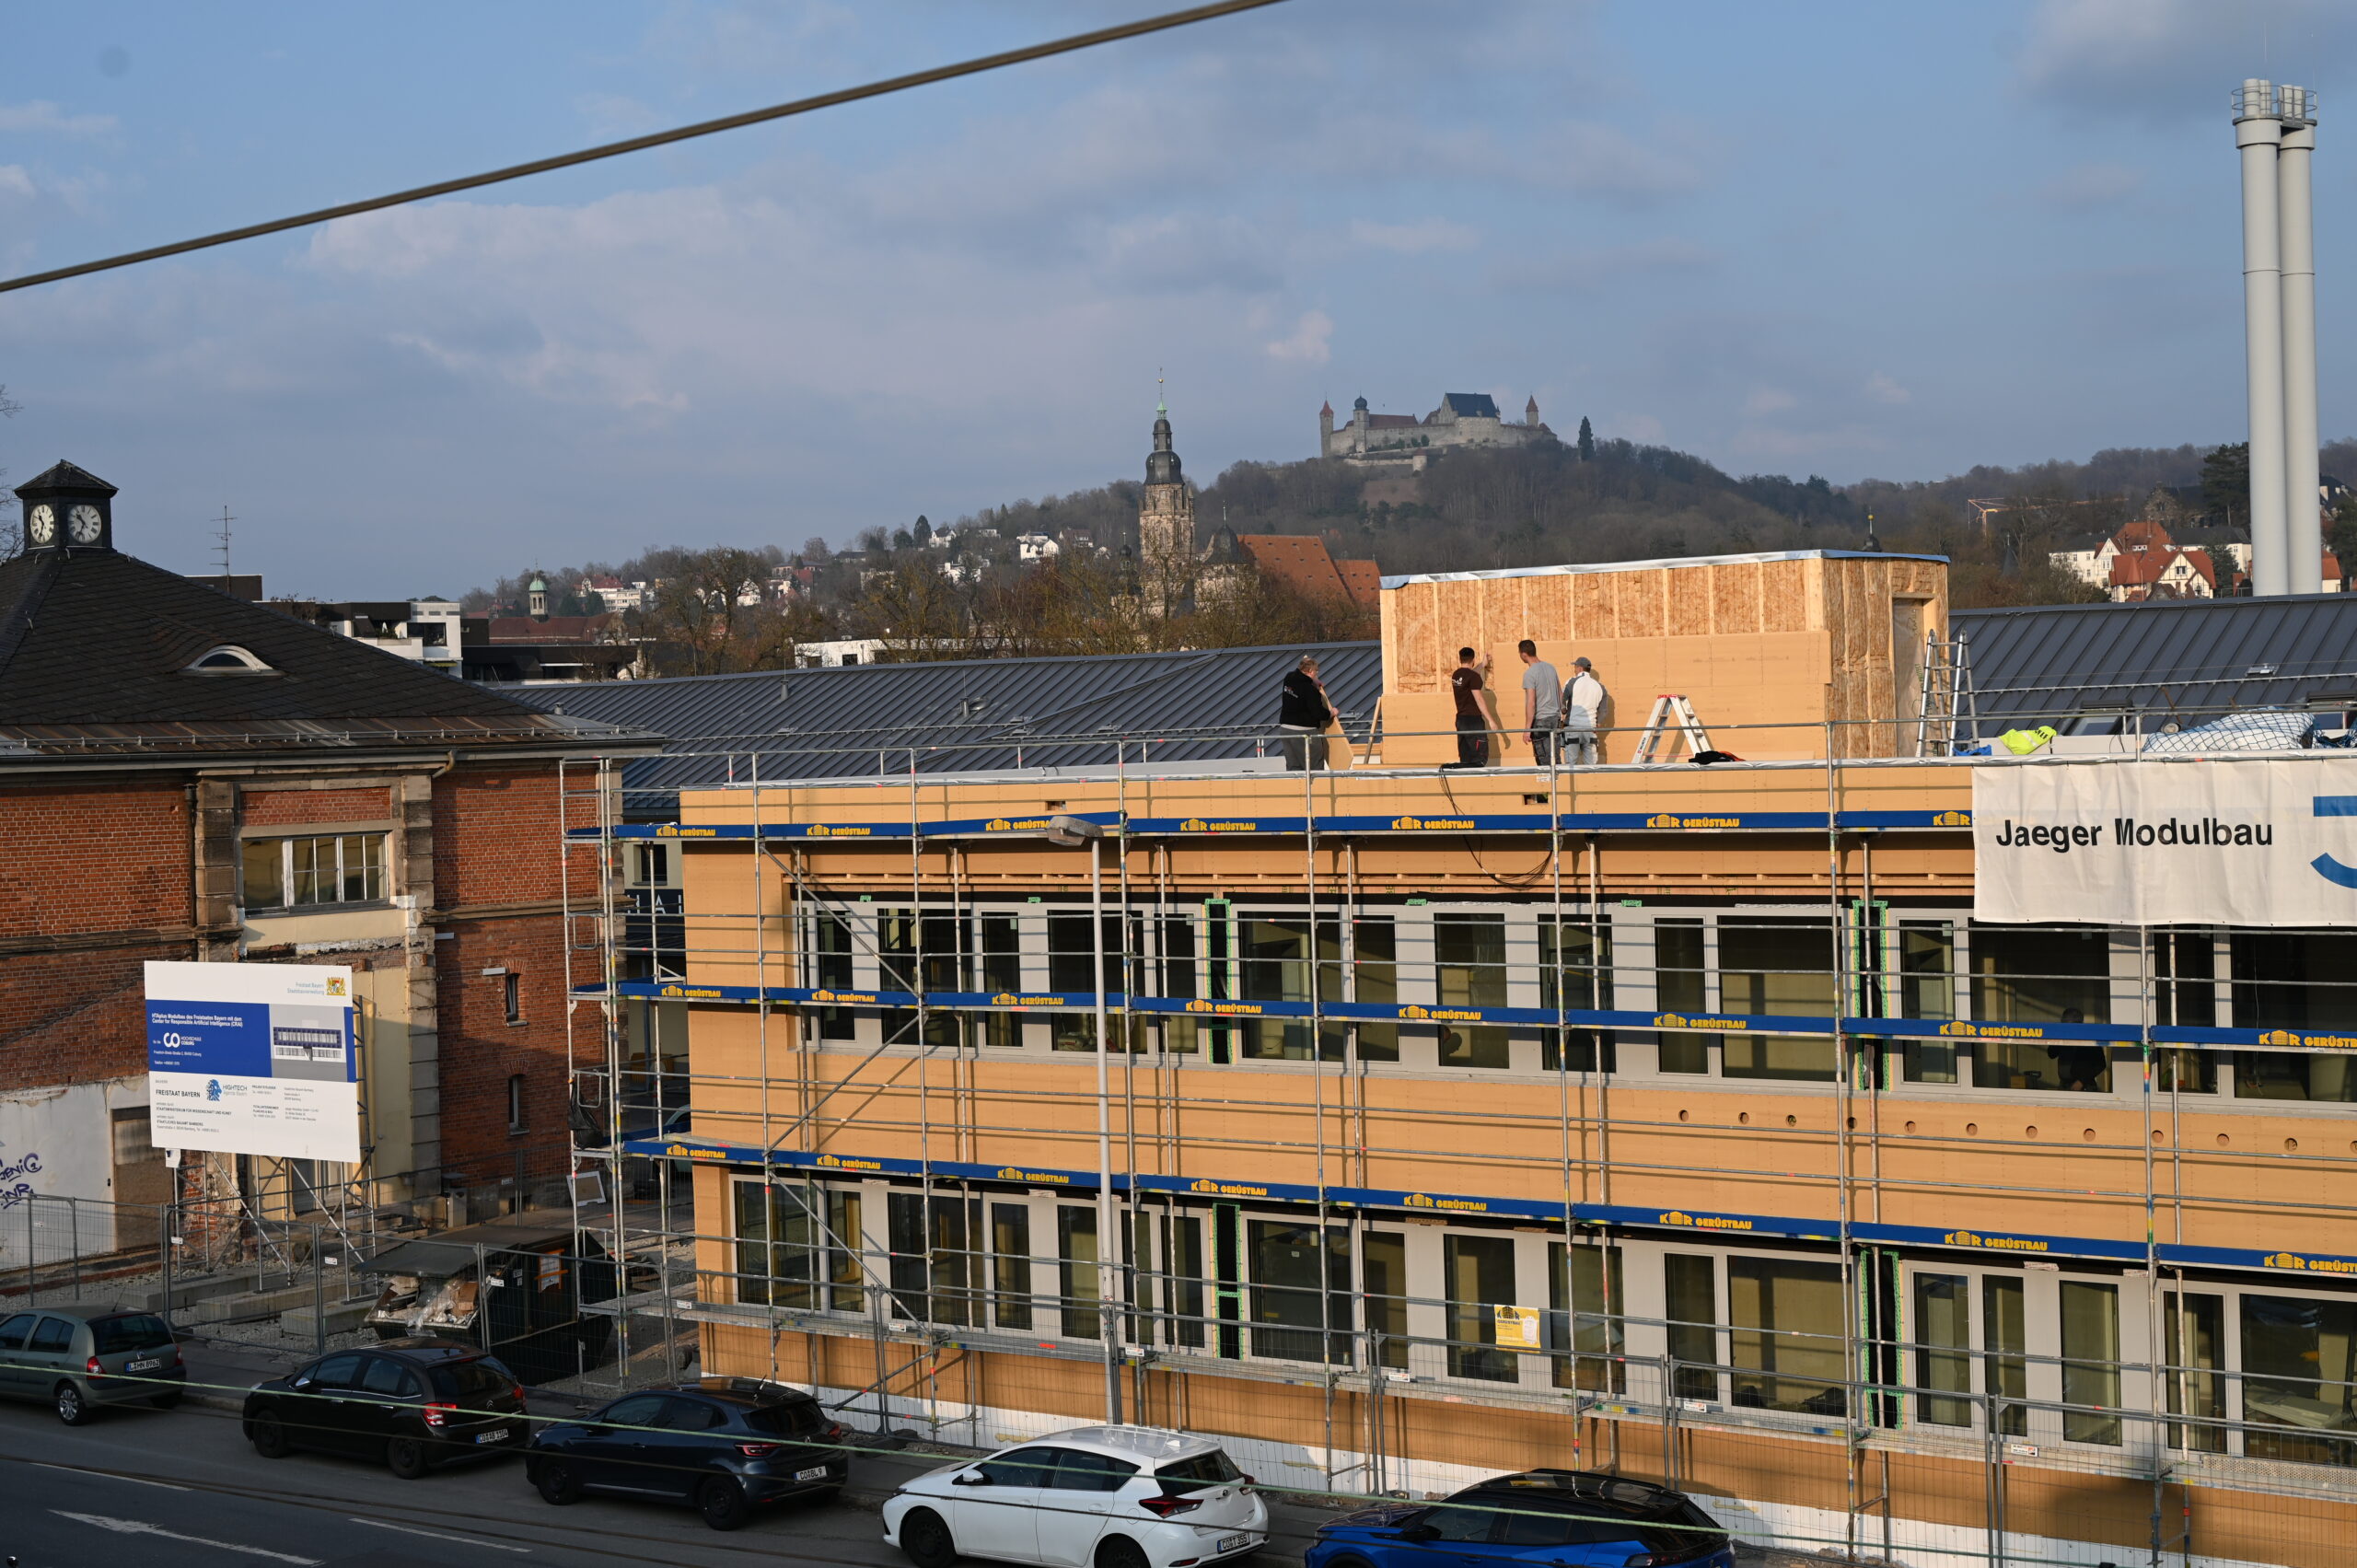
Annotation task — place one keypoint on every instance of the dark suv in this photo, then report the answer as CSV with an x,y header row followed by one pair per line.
x,y
724,1443
1559,1518
410,1402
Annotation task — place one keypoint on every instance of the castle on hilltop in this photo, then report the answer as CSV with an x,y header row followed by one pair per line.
x,y
1463,419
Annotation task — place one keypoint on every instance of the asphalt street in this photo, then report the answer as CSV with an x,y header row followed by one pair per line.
x,y
183,1489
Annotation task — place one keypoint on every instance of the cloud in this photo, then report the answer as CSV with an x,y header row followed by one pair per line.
x,y
1589,268
1414,238
1310,342
1769,400
1643,428
43,115
1601,160
2170,59
15,182
1883,390
2088,185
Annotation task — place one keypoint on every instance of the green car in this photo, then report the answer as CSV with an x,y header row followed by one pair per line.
x,y
80,1355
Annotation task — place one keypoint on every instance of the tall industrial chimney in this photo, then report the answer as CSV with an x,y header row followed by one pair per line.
x,y
2258,133
2303,507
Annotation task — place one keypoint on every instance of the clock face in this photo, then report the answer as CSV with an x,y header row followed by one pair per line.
x,y
82,525
41,525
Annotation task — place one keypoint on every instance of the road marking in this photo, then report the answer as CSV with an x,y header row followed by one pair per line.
x,y
141,1527
438,1535
107,1475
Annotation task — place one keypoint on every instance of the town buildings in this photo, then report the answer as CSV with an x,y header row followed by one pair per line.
x,y
186,775
1785,1129
1463,419
1178,570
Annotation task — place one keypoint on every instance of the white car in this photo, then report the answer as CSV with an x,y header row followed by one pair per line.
x,y
1094,1497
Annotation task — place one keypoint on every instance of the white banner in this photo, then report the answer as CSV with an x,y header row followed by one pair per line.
x,y
2193,843
253,1059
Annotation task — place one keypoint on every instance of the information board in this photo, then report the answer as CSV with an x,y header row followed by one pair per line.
x,y
253,1059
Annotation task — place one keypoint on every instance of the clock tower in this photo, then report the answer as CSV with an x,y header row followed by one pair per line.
x,y
66,509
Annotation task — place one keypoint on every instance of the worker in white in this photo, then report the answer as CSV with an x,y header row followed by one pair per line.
x,y
1584,703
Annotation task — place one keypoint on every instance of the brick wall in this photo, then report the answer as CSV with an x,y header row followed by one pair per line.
x,y
93,858
95,882
272,807
495,843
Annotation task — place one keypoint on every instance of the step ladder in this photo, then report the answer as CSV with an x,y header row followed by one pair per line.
x,y
1670,709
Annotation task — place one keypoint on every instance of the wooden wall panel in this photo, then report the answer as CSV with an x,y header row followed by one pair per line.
x,y
1735,597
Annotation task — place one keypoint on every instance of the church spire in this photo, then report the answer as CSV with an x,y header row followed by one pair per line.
x,y
1161,467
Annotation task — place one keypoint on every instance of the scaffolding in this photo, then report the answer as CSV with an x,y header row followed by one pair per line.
x,y
912,970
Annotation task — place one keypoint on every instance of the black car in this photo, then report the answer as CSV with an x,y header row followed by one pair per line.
x,y
724,1444
1536,1519
410,1402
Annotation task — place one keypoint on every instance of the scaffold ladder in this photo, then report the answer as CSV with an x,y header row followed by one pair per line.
x,y
1670,708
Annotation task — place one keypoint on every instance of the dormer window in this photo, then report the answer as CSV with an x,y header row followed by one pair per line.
x,y
227,659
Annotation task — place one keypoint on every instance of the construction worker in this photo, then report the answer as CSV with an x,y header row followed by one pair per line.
x,y
1542,702
1584,704
1477,714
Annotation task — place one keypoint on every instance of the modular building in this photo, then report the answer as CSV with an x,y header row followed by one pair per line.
x,y
1907,1146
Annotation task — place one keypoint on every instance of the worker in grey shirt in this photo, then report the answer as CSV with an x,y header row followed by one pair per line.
x,y
1542,703
1584,701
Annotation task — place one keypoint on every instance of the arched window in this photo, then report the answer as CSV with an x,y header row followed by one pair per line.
x,y
227,659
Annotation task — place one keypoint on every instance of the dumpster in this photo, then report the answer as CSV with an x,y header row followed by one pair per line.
x,y
515,1286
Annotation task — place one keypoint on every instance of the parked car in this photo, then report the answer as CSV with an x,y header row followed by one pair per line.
x,y
411,1404
78,1357
1558,1518
726,1444
1096,1497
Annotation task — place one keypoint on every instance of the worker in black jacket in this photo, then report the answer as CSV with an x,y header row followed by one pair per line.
x,y
1302,713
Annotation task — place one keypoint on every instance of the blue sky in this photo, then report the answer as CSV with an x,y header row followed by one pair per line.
x,y
1851,240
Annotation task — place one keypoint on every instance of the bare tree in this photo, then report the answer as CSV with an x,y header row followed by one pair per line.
x,y
12,537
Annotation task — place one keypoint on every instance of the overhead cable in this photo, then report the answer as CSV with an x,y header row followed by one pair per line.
x,y
974,67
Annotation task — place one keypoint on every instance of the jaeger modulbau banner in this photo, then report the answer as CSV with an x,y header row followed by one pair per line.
x,y
2167,842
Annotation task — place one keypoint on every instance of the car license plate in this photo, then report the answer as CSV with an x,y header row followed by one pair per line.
x,y
147,1365
815,1473
1234,1543
501,1436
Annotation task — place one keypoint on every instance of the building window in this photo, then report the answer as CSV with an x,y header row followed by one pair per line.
x,y
1574,972
515,1099
1770,966
1690,1304
1927,990
1076,1271
1011,1265
2294,981
1584,1317
1943,1348
2194,1330
2033,975
1469,954
511,996
1480,1280
344,868
797,1246
1786,1344
2299,1377
1680,984
1384,1257
2090,1361
1071,954
934,1261
2005,1335
826,958
1293,1309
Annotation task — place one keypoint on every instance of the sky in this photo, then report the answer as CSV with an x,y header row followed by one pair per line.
x,y
1853,239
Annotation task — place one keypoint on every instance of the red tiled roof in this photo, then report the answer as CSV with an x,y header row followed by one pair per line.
x,y
1391,422
1365,581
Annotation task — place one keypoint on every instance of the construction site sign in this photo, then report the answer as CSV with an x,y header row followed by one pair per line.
x,y
253,1059
2195,842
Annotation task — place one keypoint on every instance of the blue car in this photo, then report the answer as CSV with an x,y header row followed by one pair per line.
x,y
1545,1518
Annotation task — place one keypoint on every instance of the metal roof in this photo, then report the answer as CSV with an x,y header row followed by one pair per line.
x,y
864,721
2163,659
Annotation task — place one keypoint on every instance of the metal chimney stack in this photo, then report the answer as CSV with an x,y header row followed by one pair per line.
x,y
2275,131
2258,132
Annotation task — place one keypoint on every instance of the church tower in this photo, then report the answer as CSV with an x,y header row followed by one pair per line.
x,y
1166,526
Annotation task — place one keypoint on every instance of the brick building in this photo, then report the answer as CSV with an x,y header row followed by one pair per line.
x,y
187,776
